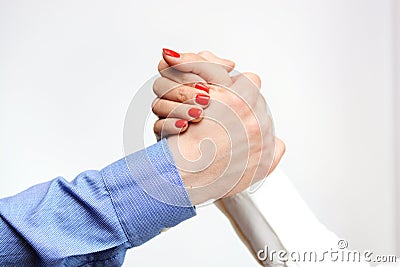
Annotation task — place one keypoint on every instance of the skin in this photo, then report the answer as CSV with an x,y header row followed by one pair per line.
x,y
239,209
243,149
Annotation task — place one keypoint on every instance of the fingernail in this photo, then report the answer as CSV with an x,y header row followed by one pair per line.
x,y
171,53
202,86
181,124
195,113
202,99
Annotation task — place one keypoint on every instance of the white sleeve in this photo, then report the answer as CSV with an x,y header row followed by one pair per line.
x,y
250,225
277,218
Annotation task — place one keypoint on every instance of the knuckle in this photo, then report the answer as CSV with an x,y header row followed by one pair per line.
x,y
192,55
231,98
204,53
181,94
240,103
256,76
156,127
252,101
155,105
253,77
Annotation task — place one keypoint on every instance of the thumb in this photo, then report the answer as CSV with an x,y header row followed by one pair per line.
x,y
193,63
227,64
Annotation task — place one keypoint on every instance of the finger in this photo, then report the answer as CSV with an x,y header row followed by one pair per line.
x,y
195,94
179,76
169,126
193,63
229,65
280,149
170,109
162,65
252,77
247,86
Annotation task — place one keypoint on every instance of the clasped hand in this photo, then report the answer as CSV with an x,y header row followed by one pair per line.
x,y
233,146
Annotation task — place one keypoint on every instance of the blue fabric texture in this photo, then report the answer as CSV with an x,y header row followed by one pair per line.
x,y
93,220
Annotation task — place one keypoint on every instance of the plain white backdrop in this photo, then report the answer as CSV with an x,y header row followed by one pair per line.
x,y
68,70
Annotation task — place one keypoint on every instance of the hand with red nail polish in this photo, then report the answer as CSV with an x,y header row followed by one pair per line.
x,y
191,178
178,101
234,118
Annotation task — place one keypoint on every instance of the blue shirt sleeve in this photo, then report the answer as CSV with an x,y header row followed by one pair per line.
x,y
95,218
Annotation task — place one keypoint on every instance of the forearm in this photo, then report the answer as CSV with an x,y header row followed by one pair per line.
x,y
105,210
55,220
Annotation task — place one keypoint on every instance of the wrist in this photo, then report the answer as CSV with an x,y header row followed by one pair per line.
x,y
191,178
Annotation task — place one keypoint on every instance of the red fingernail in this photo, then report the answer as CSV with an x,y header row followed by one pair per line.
x,y
202,86
195,113
181,124
171,53
202,99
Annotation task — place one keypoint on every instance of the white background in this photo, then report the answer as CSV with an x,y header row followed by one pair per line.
x,y
68,70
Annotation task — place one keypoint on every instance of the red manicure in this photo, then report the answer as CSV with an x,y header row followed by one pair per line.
x,y
195,112
181,124
202,86
202,99
171,53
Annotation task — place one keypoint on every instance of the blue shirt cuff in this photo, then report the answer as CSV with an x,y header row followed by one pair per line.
x,y
147,193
